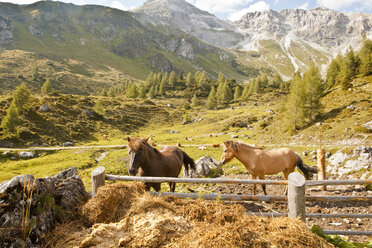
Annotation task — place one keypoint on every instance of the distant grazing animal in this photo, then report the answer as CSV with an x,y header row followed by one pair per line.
x,y
179,145
189,139
148,161
216,145
260,162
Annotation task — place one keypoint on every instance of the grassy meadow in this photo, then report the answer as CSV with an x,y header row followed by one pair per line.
x,y
206,127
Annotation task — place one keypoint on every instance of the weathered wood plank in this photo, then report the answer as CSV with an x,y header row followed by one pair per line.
x,y
193,180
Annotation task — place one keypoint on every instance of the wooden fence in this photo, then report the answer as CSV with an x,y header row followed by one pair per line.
x,y
296,194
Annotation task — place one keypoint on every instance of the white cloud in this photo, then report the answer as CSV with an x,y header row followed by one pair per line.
x,y
362,5
219,6
276,1
259,6
20,1
118,5
304,6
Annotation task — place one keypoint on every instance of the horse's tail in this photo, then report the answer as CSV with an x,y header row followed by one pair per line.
x,y
307,170
188,162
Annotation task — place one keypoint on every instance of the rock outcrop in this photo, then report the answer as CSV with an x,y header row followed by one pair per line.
x,y
206,166
342,164
30,207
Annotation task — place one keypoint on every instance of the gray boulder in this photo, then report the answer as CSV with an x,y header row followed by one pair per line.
x,y
26,155
206,166
44,108
50,200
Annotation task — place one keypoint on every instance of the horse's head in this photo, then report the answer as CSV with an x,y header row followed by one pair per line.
x,y
229,149
137,153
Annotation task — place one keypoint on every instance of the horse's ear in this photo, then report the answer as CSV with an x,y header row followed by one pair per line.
x,y
127,138
145,141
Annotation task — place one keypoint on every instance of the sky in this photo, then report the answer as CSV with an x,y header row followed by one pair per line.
x,y
234,9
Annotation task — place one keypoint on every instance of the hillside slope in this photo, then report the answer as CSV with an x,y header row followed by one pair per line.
x,y
102,38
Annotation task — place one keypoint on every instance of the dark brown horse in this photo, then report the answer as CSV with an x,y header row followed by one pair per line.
x,y
148,161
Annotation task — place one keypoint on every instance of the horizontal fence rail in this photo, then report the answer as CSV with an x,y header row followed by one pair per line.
x,y
192,180
296,200
348,232
308,215
226,180
234,197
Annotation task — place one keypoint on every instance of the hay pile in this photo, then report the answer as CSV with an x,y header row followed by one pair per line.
x,y
130,218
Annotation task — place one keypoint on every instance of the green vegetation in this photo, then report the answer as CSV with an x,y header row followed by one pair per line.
x,y
338,241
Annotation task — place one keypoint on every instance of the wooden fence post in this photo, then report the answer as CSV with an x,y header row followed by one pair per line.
x,y
296,195
98,178
321,166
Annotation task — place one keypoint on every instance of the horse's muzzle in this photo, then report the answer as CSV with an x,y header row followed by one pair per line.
x,y
132,172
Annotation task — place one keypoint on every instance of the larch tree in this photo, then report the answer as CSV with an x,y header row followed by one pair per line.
x,y
314,89
172,81
46,89
11,119
296,105
237,92
22,98
212,99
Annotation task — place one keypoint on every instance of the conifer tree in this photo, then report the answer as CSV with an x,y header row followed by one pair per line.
x,y
111,92
46,89
349,69
253,85
189,81
172,80
333,73
103,93
180,77
212,99
366,66
132,91
149,80
245,94
156,91
296,105
22,98
99,108
162,90
151,92
203,84
195,101
221,77
276,82
142,92
237,93
314,89
11,119
220,90
228,95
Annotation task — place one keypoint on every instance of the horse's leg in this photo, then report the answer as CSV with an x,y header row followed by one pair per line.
x,y
254,185
263,185
285,174
172,186
148,186
156,186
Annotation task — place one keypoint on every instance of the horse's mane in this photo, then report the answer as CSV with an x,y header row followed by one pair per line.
x,y
236,145
136,143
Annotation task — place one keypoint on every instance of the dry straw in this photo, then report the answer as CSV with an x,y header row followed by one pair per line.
x,y
124,216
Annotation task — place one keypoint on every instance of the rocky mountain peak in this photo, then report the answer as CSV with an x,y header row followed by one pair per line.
x,y
182,15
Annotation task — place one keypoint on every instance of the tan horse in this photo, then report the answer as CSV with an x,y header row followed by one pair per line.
x,y
148,161
260,162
